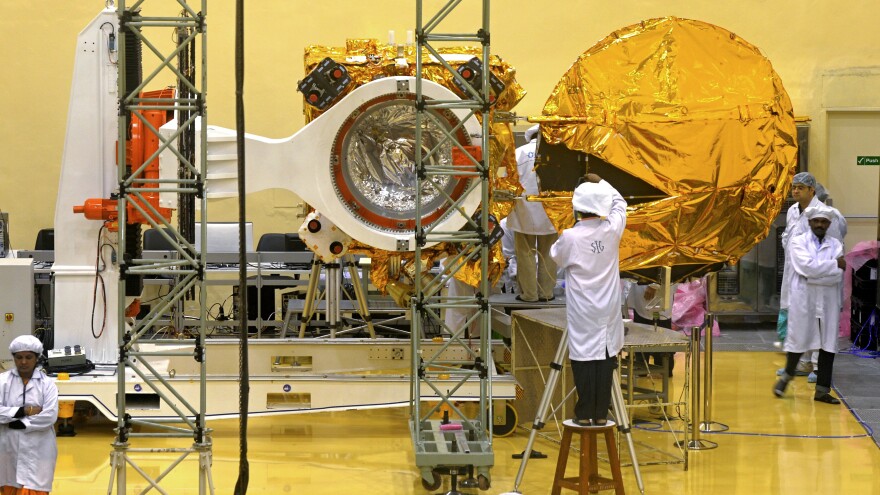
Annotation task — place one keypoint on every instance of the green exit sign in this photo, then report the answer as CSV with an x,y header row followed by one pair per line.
x,y
868,160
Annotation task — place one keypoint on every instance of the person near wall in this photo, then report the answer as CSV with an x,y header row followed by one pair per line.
x,y
588,255
817,264
803,190
533,232
28,412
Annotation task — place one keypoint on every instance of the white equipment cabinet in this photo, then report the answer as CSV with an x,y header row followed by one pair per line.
x,y
16,299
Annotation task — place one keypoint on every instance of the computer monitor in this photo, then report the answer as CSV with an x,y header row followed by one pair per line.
x,y
223,237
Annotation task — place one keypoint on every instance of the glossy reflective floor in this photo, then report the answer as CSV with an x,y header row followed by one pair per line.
x,y
774,446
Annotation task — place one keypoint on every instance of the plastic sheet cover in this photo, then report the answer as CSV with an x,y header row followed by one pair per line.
x,y
694,111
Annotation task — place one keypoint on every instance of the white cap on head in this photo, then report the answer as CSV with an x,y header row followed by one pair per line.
x,y
26,343
532,132
820,211
592,197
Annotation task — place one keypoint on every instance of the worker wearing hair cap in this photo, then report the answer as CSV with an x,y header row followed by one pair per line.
x,y
803,190
533,232
28,410
588,253
815,298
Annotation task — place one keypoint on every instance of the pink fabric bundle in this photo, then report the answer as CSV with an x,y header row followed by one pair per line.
x,y
689,306
855,259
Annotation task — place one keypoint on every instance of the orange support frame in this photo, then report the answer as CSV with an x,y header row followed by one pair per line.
x,y
142,144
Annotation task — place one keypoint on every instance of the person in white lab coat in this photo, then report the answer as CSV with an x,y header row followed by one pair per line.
x,y
588,255
815,298
533,232
508,278
803,190
647,309
28,410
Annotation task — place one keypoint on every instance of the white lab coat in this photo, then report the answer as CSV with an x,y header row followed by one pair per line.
x,y
814,312
507,248
635,299
797,223
27,457
588,254
529,217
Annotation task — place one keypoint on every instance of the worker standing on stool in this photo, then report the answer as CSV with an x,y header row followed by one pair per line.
x,y
588,253
533,232
814,301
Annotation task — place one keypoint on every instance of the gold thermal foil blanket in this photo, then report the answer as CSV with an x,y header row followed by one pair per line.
x,y
694,111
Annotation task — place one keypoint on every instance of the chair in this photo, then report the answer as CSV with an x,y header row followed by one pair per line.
x,y
281,243
45,240
154,241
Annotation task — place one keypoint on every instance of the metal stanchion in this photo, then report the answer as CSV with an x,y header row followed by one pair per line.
x,y
694,427
708,425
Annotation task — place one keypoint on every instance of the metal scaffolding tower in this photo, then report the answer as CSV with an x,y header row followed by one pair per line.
x,y
137,356
459,444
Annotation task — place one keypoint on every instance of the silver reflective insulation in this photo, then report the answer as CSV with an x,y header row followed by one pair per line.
x,y
378,160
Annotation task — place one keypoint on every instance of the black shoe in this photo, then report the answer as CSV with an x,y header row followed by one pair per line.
x,y
546,299
582,422
826,398
779,388
519,298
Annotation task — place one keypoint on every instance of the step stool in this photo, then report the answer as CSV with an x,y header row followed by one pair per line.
x,y
588,479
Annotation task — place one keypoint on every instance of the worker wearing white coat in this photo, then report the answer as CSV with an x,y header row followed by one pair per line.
x,y
533,232
815,299
803,190
588,255
28,410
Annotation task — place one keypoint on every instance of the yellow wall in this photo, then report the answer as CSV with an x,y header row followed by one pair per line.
x,y
812,45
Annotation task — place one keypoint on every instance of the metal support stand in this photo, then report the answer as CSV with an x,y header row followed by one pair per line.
x,y
617,404
696,443
332,297
360,294
708,425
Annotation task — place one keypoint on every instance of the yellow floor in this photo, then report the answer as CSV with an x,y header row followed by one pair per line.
x,y
775,446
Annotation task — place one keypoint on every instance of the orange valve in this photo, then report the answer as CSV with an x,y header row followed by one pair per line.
x,y
98,209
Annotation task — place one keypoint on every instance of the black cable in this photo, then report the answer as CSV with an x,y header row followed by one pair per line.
x,y
99,267
241,483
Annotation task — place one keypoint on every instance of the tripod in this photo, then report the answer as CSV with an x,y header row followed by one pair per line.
x,y
543,408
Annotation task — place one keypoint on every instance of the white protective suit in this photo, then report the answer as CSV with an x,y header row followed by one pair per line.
x,y
534,233
814,310
588,253
27,457
507,248
796,223
635,299
529,217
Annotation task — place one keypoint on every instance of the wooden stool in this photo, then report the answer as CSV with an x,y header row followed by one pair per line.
x,y
588,479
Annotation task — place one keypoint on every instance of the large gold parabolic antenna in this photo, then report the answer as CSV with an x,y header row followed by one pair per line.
x,y
691,124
